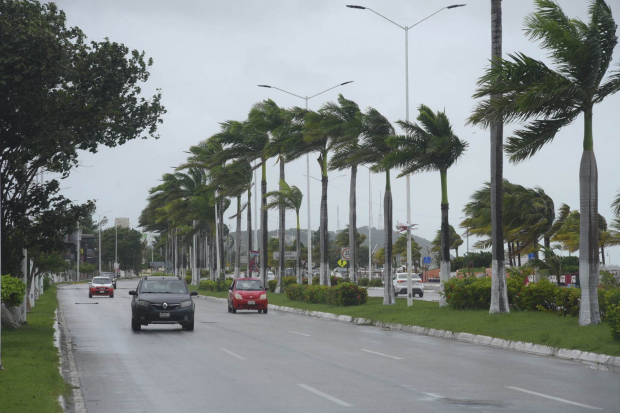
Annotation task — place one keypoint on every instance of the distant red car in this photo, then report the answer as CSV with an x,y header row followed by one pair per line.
x,y
101,286
247,294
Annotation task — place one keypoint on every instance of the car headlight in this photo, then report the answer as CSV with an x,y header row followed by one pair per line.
x,y
238,296
144,303
186,303
263,296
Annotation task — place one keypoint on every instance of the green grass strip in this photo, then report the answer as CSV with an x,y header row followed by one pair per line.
x,y
527,326
31,381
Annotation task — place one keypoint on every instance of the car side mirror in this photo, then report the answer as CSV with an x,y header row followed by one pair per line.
x,y
230,288
194,293
132,292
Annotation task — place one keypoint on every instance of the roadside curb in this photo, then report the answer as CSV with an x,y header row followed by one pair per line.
x,y
520,346
68,366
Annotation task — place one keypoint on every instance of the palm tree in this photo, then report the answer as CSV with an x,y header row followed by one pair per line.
x,y
582,53
430,147
344,121
289,197
615,205
455,241
374,149
285,131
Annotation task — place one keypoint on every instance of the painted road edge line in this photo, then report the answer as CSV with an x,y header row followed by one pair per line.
x,y
301,334
324,395
520,346
554,398
232,354
381,354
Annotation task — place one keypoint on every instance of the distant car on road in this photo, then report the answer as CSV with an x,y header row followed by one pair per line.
x,y
270,275
400,284
111,276
340,272
247,294
162,300
101,286
289,272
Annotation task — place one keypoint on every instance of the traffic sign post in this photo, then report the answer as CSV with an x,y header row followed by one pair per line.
x,y
345,253
426,260
342,263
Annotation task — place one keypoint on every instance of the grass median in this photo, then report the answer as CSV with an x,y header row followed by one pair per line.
x,y
532,327
31,381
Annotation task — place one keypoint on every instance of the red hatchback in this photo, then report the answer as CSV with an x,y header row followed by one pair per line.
x,y
247,294
101,286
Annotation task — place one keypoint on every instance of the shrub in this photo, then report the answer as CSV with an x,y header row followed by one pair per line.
x,y
608,280
567,301
13,291
271,284
47,283
538,296
295,291
363,282
468,293
606,298
375,282
207,285
347,294
316,280
188,279
316,294
613,318
161,274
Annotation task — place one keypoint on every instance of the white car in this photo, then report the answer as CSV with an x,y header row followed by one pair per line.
x,y
270,275
400,284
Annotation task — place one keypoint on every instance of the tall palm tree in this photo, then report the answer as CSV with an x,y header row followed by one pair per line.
x,y
455,241
615,205
291,198
344,120
582,53
285,131
373,150
433,146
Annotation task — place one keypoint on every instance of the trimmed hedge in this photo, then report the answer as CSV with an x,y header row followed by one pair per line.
x,y
345,294
13,291
286,281
220,285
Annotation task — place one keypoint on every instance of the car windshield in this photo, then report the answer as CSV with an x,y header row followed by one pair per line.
x,y
164,287
404,277
249,285
102,280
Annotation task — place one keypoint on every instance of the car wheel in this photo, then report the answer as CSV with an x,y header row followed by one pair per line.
x,y
233,310
421,295
265,311
90,295
135,326
229,308
395,293
111,295
189,326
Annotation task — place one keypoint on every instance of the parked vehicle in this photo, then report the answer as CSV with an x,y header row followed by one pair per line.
x,y
289,272
101,286
162,300
340,272
400,284
247,294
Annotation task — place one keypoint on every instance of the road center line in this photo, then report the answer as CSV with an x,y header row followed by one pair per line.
x,y
232,354
301,334
325,396
381,354
554,398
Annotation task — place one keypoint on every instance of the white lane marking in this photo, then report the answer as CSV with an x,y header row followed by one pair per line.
x,y
371,341
301,334
554,398
381,354
325,396
232,354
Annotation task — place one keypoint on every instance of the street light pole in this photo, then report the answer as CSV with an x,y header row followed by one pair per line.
x,y
406,29
99,225
306,98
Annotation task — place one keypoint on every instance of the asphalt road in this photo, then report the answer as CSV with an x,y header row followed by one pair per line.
x,y
282,362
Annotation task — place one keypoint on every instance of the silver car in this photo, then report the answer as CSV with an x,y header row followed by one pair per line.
x,y
400,284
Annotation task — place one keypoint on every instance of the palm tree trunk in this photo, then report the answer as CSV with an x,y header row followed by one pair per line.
x,y
603,254
388,289
282,222
264,230
298,264
249,214
444,253
325,273
499,291
353,224
588,229
221,238
510,258
238,240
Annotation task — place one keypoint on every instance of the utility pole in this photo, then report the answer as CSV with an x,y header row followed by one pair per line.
x,y
78,253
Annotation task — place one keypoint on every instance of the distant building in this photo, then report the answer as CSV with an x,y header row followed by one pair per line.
x,y
121,222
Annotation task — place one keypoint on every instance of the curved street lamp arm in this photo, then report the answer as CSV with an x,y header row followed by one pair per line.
x,y
380,15
327,90
428,17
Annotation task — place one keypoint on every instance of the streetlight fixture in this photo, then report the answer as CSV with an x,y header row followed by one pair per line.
x,y
307,98
406,29
99,225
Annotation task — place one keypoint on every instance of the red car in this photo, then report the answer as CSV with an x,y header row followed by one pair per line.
x,y
247,294
101,286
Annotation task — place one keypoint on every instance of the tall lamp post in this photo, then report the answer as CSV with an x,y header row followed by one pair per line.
x,y
406,29
307,98
99,225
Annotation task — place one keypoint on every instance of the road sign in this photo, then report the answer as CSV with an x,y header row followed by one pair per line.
x,y
342,263
531,256
345,253
426,260
288,255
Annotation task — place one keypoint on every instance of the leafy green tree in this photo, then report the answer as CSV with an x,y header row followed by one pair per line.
x,y
60,95
433,146
130,247
455,241
582,53
400,248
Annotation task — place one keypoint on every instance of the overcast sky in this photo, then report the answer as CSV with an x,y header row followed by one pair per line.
x,y
209,56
